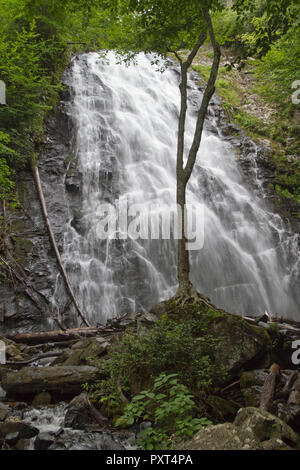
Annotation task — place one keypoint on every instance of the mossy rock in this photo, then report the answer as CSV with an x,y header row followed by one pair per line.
x,y
251,383
221,409
266,426
243,346
252,429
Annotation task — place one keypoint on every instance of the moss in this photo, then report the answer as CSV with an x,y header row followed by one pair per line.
x,y
250,397
22,247
227,92
280,128
221,409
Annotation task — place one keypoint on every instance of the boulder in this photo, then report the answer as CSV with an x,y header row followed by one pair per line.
x,y
81,414
251,383
222,437
12,438
66,380
14,351
290,414
2,392
252,429
42,399
4,411
221,409
83,352
294,398
243,345
14,425
266,426
43,441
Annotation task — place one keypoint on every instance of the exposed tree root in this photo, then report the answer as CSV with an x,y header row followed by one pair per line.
x,y
188,295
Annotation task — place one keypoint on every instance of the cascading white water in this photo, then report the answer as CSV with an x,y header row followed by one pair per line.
x,y
125,143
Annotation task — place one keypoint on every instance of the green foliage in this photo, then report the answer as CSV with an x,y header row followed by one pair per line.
x,y
251,124
280,67
182,346
156,26
275,335
35,49
225,27
169,406
264,22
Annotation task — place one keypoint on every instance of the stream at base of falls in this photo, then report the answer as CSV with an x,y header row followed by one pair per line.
x,y
53,435
125,134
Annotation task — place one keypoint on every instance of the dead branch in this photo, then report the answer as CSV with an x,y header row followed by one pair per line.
x,y
53,243
229,387
95,415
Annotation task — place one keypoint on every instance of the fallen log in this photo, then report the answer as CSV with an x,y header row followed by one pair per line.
x,y
60,335
268,390
33,359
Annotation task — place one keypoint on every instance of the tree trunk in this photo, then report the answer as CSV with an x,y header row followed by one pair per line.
x,y
54,246
183,254
183,173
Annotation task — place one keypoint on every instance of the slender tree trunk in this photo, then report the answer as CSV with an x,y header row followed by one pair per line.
x,y
4,231
54,246
183,255
183,173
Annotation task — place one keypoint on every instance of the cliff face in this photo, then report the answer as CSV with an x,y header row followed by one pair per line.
x,y
28,240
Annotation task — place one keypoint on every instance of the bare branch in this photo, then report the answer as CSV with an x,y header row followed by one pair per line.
x,y
209,91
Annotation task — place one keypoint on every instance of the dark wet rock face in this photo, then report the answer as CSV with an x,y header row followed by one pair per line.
x,y
13,425
29,240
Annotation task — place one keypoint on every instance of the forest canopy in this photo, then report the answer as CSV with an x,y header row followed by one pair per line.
x,y
38,37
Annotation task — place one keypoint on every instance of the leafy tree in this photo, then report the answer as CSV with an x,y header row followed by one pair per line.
x,y
35,37
266,21
163,27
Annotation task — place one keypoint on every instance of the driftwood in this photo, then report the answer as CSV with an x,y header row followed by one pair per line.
x,y
33,359
61,335
294,323
93,413
268,390
231,386
267,319
54,246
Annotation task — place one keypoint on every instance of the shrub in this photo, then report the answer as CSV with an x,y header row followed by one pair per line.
x,y
169,406
181,345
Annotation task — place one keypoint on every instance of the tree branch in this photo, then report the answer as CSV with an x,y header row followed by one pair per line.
x,y
209,91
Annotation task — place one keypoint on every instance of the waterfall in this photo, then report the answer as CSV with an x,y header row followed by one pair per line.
x,y
125,133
